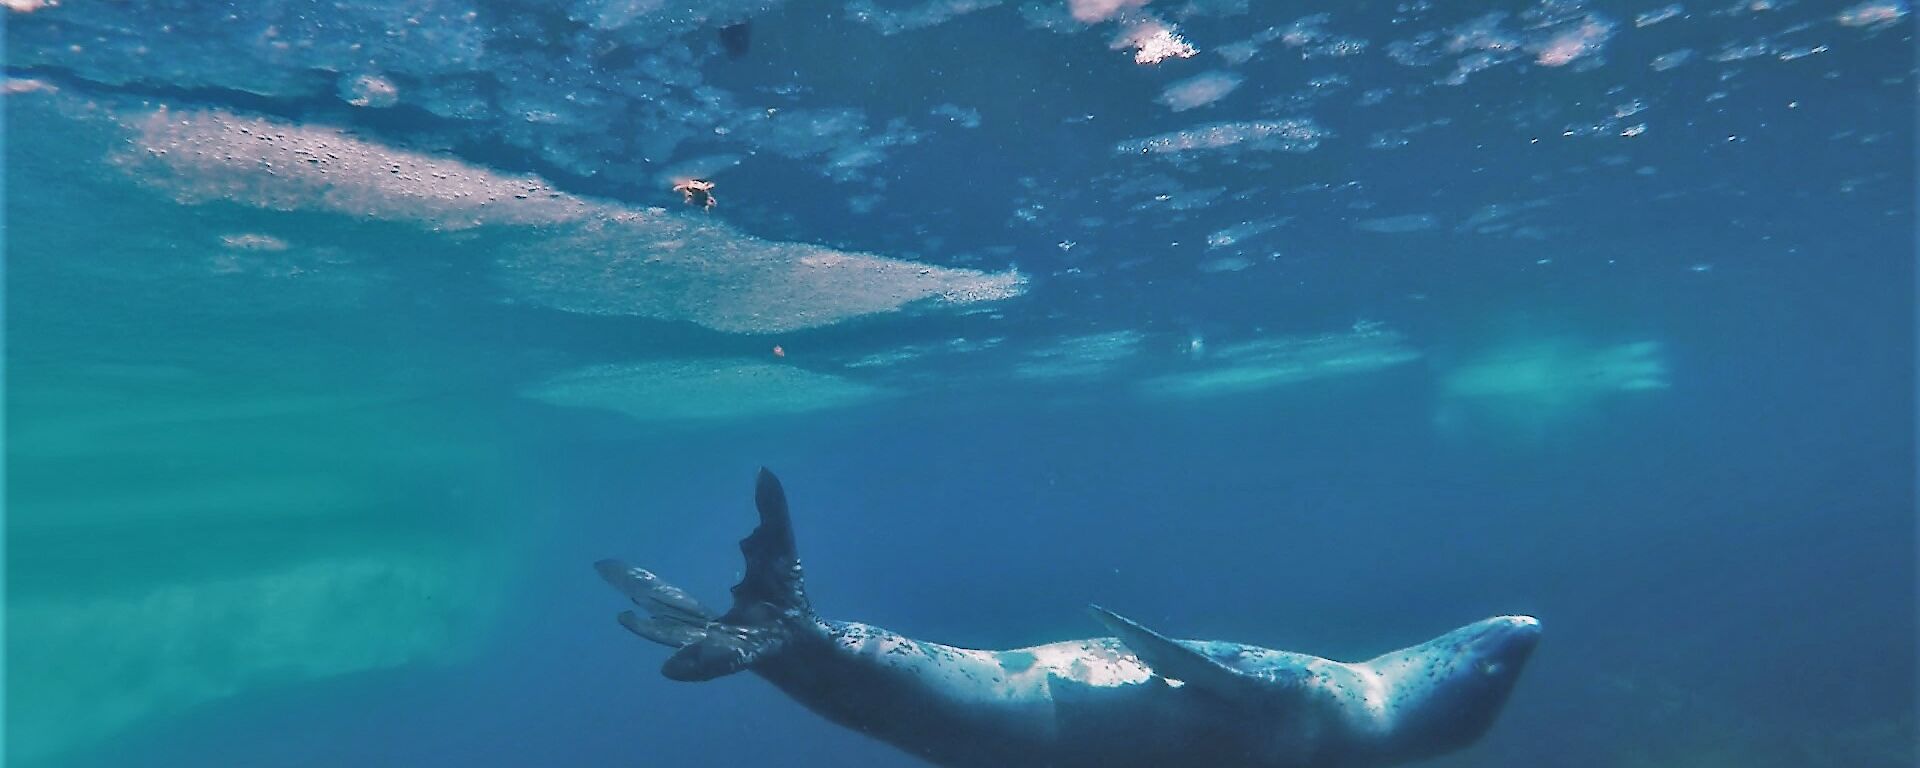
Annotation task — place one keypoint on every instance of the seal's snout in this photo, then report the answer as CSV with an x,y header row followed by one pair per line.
x,y
1518,626
1515,635
1500,646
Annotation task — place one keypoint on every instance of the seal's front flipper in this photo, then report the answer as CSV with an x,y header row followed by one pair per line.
x,y
769,603
1174,661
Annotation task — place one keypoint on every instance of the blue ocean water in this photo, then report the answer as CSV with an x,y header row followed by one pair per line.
x,y
342,338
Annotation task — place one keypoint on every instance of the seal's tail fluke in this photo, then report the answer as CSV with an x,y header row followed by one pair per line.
x,y
768,604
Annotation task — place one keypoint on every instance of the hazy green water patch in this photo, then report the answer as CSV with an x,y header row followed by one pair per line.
x,y
93,662
197,508
181,547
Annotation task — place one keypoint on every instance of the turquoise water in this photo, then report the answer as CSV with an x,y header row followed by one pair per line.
x,y
343,337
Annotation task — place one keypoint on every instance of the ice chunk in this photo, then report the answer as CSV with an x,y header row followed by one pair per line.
x,y
1737,51
1557,34
672,268
369,90
1263,364
1238,233
1671,59
1286,135
1584,38
1532,387
1199,90
1310,35
253,241
1153,41
1559,370
702,390
966,117
1225,264
892,21
1079,357
1657,15
1412,222
1090,11
1873,13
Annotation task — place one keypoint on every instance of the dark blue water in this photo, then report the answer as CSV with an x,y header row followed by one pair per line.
x,y
303,471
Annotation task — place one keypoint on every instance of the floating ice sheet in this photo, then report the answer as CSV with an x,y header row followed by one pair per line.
x,y
580,255
701,390
707,273
206,155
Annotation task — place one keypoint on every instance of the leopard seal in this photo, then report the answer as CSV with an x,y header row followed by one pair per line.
x,y
1136,698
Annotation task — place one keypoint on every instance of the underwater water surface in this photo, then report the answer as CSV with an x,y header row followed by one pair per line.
x,y
343,337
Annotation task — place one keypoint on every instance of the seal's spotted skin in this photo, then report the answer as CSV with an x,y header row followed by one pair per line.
x,y
1138,699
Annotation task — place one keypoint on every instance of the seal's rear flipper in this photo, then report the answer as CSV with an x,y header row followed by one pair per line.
x,y
772,587
664,631
1174,661
769,603
674,619
649,592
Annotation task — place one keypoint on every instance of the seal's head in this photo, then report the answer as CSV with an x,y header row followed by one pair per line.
x,y
1444,693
